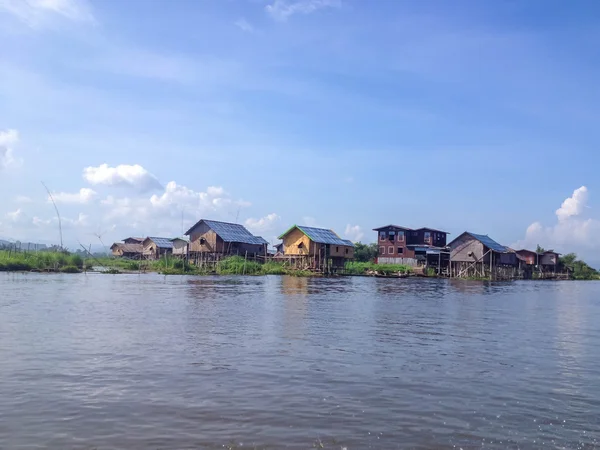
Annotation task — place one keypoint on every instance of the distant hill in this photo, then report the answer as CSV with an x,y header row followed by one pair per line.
x,y
29,246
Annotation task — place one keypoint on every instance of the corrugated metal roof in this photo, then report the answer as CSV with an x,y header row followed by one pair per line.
x,y
234,232
488,242
321,236
161,242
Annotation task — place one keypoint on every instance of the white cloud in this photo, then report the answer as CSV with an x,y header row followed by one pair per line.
x,y
354,233
163,213
85,195
8,139
281,10
574,205
37,12
16,216
182,196
133,176
244,25
263,224
570,233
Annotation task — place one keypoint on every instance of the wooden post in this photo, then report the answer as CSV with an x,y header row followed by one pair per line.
x,y
245,259
491,265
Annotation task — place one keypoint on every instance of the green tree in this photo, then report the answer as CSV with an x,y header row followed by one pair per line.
x,y
539,249
581,271
365,252
568,259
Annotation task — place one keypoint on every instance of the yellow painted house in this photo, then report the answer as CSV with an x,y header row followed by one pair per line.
x,y
319,247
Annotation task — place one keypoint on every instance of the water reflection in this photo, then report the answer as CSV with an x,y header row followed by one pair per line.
x,y
147,361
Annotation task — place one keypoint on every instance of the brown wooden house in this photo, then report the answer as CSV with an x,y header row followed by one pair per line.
x,y
478,255
527,257
125,250
213,239
402,245
316,248
133,240
157,247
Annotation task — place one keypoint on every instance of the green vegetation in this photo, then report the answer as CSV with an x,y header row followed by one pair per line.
x,y
363,268
365,252
70,269
39,261
581,271
431,272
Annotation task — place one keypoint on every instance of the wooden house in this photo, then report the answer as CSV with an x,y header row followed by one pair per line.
x,y
127,250
180,247
316,248
413,247
549,259
156,247
478,255
527,257
133,240
211,238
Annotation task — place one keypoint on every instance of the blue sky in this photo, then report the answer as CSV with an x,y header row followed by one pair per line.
x,y
344,114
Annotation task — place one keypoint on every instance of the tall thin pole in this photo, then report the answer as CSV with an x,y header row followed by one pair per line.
x,y
57,214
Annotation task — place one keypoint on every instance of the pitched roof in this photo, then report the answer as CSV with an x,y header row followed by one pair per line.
x,y
161,242
432,229
139,239
485,240
231,232
393,226
320,235
128,248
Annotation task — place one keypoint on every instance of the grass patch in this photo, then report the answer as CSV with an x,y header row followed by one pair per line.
x,y
70,269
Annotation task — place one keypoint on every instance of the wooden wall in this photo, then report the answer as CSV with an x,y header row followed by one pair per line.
x,y
548,259
212,244
296,237
464,245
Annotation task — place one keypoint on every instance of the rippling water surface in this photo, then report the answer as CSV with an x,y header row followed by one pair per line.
x,y
156,362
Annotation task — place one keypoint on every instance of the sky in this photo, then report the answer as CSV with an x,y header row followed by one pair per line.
x,y
143,117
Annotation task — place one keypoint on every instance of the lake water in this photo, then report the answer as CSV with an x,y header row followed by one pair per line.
x,y
146,361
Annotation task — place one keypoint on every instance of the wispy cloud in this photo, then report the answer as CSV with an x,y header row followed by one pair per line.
x,y
354,233
264,223
35,13
282,10
8,139
244,25
84,196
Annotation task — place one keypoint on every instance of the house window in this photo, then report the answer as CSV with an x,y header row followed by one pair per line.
x,y
337,249
347,251
382,235
427,235
391,235
400,250
382,250
390,250
301,245
401,236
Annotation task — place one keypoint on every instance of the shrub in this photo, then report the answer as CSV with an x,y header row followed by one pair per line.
x,y
70,269
76,260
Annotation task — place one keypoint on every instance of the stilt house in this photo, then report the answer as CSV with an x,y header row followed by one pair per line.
x,y
316,248
214,239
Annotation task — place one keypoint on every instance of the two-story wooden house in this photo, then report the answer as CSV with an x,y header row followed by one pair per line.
x,y
402,245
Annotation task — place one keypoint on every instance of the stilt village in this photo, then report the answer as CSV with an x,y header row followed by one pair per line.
x,y
426,251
